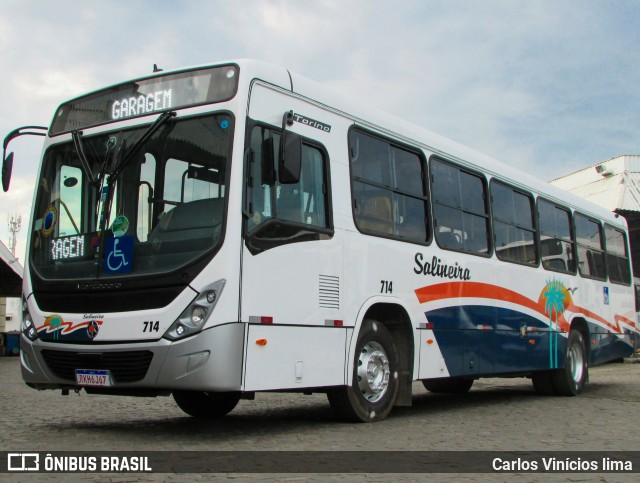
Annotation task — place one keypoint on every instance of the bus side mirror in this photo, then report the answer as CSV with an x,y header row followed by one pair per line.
x,y
290,161
7,166
7,161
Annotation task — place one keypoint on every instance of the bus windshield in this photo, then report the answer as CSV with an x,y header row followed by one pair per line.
x,y
161,210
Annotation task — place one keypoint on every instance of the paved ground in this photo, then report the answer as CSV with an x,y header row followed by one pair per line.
x,y
497,415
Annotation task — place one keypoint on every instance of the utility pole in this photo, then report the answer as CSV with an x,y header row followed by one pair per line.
x,y
15,224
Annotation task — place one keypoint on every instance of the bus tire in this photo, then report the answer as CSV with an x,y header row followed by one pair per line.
x,y
543,383
570,380
372,394
206,405
448,385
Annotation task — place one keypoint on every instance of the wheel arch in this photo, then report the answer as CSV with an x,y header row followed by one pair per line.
x,y
395,317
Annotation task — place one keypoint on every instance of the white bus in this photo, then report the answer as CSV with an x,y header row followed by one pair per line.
x,y
219,231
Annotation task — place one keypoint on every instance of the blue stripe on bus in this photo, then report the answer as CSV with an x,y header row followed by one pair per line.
x,y
481,340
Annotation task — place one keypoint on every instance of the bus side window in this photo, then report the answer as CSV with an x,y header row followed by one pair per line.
x,y
591,260
617,256
513,224
460,210
556,243
410,205
389,193
305,202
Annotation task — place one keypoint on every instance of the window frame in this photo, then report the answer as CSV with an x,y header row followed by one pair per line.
x,y
576,215
627,249
572,235
487,207
425,197
534,221
307,232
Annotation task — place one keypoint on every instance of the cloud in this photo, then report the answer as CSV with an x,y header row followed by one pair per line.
x,y
547,86
52,84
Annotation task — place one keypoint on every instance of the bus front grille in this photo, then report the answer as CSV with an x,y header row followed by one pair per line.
x,y
126,366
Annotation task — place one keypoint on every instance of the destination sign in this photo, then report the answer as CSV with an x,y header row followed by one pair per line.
x,y
68,247
147,96
141,105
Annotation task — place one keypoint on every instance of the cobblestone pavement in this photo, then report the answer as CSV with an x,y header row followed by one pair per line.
x,y
497,415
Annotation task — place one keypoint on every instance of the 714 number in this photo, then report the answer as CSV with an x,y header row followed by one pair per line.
x,y
386,286
151,326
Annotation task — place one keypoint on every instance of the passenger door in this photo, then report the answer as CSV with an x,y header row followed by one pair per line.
x,y
291,262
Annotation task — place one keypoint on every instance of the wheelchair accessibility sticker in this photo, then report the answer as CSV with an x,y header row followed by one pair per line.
x,y
118,254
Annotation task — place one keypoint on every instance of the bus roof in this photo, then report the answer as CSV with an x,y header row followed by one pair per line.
x,y
393,126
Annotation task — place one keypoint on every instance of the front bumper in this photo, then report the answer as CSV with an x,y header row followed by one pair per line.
x,y
208,361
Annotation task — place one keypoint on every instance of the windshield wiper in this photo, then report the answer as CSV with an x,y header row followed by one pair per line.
x,y
121,164
100,202
84,162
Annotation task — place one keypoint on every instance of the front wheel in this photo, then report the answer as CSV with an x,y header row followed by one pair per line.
x,y
372,394
206,405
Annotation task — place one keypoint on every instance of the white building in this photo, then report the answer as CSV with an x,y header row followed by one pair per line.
x,y
615,185
10,289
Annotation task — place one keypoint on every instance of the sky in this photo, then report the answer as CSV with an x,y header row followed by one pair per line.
x,y
548,86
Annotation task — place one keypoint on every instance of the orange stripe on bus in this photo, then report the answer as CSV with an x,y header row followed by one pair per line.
x,y
450,290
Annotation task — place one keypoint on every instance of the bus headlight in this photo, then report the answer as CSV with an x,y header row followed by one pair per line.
x,y
28,327
196,314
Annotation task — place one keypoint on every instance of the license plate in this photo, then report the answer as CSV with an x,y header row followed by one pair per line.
x,y
93,377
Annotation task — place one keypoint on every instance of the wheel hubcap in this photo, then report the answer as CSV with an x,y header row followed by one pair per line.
x,y
576,363
373,371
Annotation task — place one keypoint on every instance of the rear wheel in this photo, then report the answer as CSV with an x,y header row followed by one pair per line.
x,y
449,385
543,383
570,380
372,394
206,405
